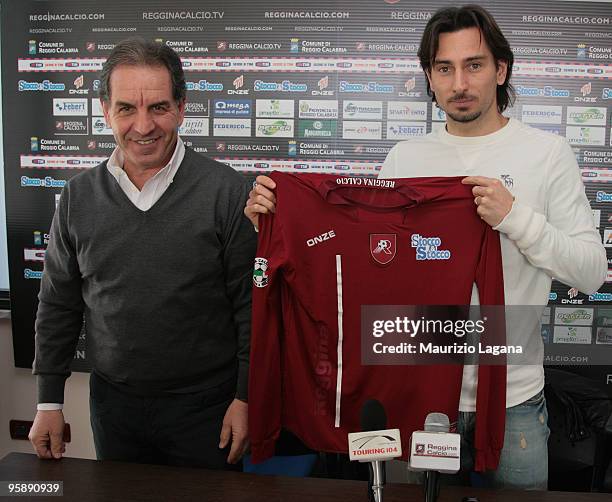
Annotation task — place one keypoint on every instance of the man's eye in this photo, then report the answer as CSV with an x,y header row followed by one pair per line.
x,y
443,69
475,66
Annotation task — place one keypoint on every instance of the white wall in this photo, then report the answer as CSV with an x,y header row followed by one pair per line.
x,y
18,401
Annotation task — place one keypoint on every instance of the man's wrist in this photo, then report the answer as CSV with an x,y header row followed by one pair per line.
x,y
49,406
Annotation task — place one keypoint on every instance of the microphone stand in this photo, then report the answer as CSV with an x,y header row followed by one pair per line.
x,y
377,481
432,487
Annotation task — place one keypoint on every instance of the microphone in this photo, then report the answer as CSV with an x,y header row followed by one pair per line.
x,y
437,422
434,450
375,444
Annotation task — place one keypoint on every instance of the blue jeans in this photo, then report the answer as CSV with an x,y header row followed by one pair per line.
x,y
524,458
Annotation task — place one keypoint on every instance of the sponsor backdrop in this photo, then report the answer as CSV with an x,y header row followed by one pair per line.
x,y
292,86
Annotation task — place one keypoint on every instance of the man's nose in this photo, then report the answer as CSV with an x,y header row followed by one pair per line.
x,y
143,123
460,81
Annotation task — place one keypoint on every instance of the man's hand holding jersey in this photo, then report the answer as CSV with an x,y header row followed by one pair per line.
x,y
492,198
261,200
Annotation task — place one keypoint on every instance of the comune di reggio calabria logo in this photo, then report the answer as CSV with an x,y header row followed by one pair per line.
x,y
427,248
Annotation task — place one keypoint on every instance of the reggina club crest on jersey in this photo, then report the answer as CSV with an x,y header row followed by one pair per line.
x,y
383,247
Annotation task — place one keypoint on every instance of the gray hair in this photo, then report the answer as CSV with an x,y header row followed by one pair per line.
x,y
141,52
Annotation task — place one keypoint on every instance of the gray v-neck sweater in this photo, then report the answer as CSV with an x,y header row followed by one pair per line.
x,y
166,293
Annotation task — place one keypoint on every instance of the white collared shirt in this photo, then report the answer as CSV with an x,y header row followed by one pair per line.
x,y
155,186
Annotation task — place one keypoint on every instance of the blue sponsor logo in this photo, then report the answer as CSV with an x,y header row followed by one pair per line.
x,y
232,108
235,127
546,92
403,130
284,86
542,114
606,93
373,87
70,106
545,331
603,197
204,85
96,85
600,297
47,182
292,149
439,113
552,296
32,274
99,125
551,129
427,248
45,86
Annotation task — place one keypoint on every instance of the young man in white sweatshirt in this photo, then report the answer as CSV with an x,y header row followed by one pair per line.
x,y
527,185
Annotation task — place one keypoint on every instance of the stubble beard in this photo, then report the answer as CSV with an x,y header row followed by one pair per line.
x,y
464,118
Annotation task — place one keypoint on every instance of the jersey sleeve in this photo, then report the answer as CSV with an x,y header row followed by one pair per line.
x,y
489,272
491,389
265,375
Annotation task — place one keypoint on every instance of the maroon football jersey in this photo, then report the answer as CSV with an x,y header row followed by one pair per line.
x,y
333,245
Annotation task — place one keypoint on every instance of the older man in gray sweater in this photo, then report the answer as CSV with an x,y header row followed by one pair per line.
x,y
151,248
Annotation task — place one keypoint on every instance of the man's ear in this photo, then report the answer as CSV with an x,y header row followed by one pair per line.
x,y
502,71
428,75
106,110
181,110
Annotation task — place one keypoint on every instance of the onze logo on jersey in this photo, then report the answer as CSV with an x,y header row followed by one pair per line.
x,y
260,276
383,247
427,248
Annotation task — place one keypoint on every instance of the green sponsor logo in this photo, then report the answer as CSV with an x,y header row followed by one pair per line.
x,y
586,116
577,315
276,127
317,128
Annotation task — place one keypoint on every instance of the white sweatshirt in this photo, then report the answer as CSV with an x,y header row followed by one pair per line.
x,y
548,233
